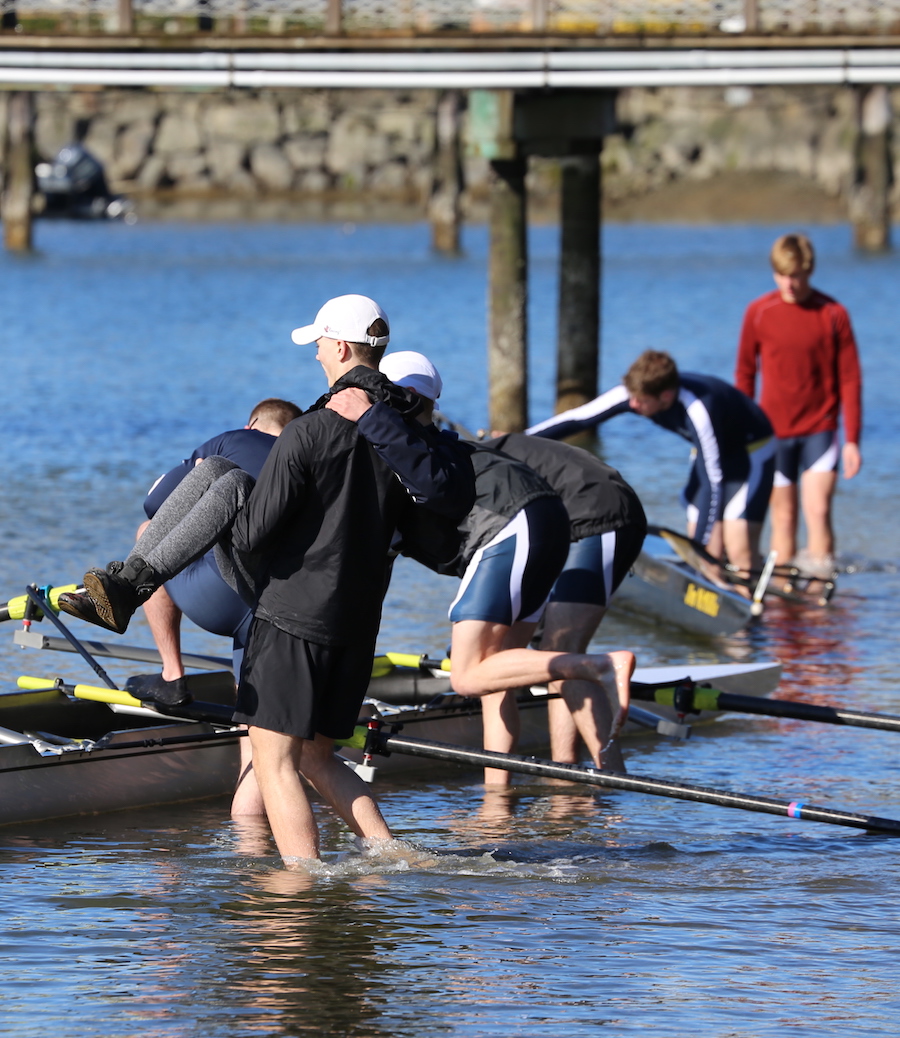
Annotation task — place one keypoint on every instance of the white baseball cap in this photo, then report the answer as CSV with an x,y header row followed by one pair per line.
x,y
414,371
344,317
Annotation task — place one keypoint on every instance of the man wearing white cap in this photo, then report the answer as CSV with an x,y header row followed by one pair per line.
x,y
515,542
313,540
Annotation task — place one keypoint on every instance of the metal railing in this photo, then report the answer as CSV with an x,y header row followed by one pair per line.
x,y
454,17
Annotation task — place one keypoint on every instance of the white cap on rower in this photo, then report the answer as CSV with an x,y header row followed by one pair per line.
x,y
344,317
414,371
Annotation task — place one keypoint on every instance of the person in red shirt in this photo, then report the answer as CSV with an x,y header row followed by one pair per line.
x,y
801,343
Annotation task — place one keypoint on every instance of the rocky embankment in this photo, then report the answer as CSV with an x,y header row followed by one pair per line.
x,y
680,153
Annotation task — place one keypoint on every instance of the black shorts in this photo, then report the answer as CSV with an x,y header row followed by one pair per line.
x,y
300,688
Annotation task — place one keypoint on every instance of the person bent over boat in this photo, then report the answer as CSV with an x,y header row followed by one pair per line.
x,y
607,530
514,544
730,480
802,343
311,540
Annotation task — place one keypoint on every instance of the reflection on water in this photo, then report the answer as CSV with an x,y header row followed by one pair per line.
x,y
549,907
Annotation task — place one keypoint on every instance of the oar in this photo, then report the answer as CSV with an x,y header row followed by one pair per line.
x,y
372,740
688,699
696,556
40,599
215,713
16,608
408,659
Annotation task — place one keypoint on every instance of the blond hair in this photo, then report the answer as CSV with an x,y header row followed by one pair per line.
x,y
791,254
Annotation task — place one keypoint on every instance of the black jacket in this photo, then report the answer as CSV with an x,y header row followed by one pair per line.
x,y
596,496
503,487
322,516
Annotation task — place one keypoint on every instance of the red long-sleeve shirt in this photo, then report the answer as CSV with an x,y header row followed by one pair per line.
x,y
807,358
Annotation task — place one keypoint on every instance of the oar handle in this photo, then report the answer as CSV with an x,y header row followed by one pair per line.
x,y
404,659
213,713
92,692
15,608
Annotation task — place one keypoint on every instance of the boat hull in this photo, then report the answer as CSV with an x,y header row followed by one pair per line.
x,y
61,757
142,760
667,590
36,788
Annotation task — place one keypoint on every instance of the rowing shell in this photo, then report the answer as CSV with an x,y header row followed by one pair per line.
x,y
130,757
61,757
663,589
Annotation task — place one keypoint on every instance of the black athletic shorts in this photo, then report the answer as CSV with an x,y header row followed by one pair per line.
x,y
300,688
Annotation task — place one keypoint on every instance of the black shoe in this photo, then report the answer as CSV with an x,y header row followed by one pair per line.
x,y
80,604
118,590
155,689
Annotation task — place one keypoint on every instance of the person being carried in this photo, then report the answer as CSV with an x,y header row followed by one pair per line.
x,y
514,543
728,488
801,343
607,530
309,544
199,591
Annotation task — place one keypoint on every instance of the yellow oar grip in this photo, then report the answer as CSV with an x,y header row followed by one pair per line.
x,y
35,683
357,740
704,698
381,667
404,659
98,695
105,695
15,607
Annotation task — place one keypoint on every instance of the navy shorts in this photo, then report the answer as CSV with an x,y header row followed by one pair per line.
x,y
597,565
795,455
300,688
204,597
510,577
746,484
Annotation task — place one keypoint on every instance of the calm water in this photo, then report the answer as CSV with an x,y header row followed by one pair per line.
x,y
552,909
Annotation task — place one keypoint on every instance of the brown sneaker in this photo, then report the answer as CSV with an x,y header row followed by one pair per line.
x,y
115,599
81,605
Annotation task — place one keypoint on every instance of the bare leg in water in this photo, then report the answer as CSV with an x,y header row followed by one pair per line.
x,y
485,662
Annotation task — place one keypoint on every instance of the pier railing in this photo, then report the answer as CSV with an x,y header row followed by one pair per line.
x,y
454,18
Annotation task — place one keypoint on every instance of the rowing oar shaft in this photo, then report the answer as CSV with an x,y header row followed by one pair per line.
x,y
657,787
687,700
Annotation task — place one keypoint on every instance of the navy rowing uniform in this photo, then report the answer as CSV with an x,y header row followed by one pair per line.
x,y
731,477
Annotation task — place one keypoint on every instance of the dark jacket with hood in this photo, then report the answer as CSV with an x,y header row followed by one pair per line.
x,y
596,496
321,518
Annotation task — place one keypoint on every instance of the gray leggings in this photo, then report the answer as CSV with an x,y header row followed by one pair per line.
x,y
196,516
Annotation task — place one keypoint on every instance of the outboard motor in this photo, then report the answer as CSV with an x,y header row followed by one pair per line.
x,y
74,185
